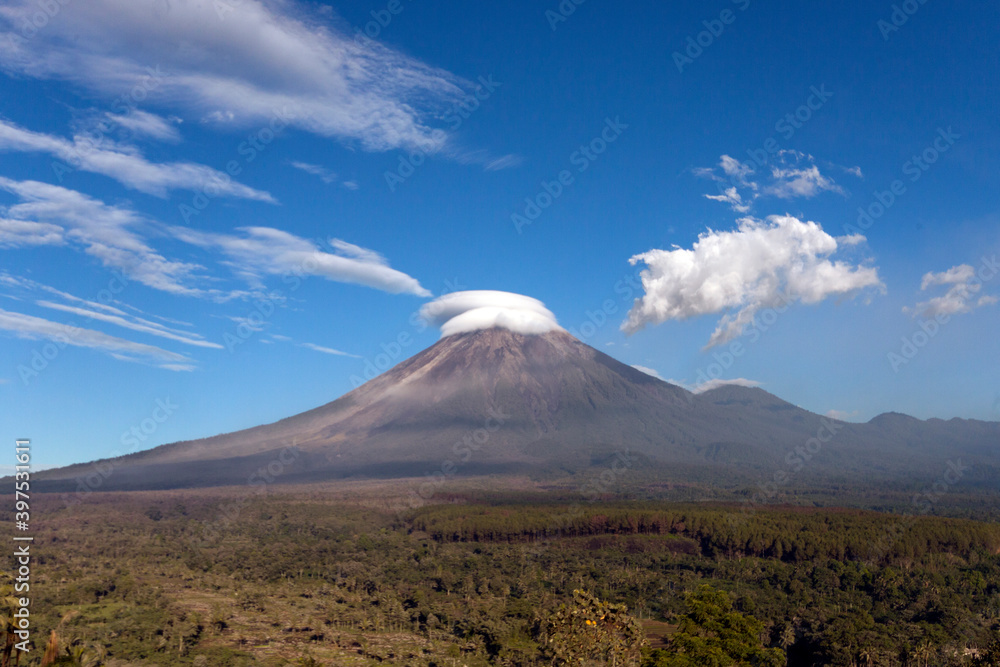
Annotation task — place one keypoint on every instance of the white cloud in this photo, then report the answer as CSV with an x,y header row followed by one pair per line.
x,y
961,274
263,251
709,385
808,182
351,185
841,415
322,172
145,124
732,197
503,162
461,312
238,65
251,324
327,350
648,371
738,172
112,235
20,233
126,165
108,233
960,298
761,264
135,324
792,175
36,328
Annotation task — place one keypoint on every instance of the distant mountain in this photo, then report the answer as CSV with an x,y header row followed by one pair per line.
x,y
497,402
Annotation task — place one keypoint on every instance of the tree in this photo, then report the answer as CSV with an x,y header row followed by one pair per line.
x,y
8,605
712,634
591,632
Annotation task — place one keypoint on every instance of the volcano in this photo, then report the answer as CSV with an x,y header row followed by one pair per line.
x,y
494,401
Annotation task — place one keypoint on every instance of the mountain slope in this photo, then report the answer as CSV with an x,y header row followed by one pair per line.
x,y
495,401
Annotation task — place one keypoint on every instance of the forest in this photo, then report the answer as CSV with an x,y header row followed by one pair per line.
x,y
352,575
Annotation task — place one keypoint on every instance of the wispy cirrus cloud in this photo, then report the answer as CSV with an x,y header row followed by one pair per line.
x,y
260,251
761,264
328,350
111,234
317,170
21,233
238,66
146,125
116,236
37,328
126,321
125,164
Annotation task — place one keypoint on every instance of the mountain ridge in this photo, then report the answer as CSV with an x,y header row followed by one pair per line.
x,y
532,403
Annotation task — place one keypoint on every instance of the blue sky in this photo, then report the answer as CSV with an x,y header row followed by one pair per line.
x,y
170,170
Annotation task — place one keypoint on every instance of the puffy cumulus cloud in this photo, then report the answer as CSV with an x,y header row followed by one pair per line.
x,y
237,63
260,251
461,312
761,264
709,385
964,285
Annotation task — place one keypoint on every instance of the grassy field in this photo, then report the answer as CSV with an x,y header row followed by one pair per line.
x,y
358,573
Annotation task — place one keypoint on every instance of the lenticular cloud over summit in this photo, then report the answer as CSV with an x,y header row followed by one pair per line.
x,y
461,312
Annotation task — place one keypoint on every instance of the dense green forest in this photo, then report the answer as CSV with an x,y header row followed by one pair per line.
x,y
319,577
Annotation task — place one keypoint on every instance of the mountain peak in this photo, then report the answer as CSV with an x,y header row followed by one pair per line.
x,y
493,400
